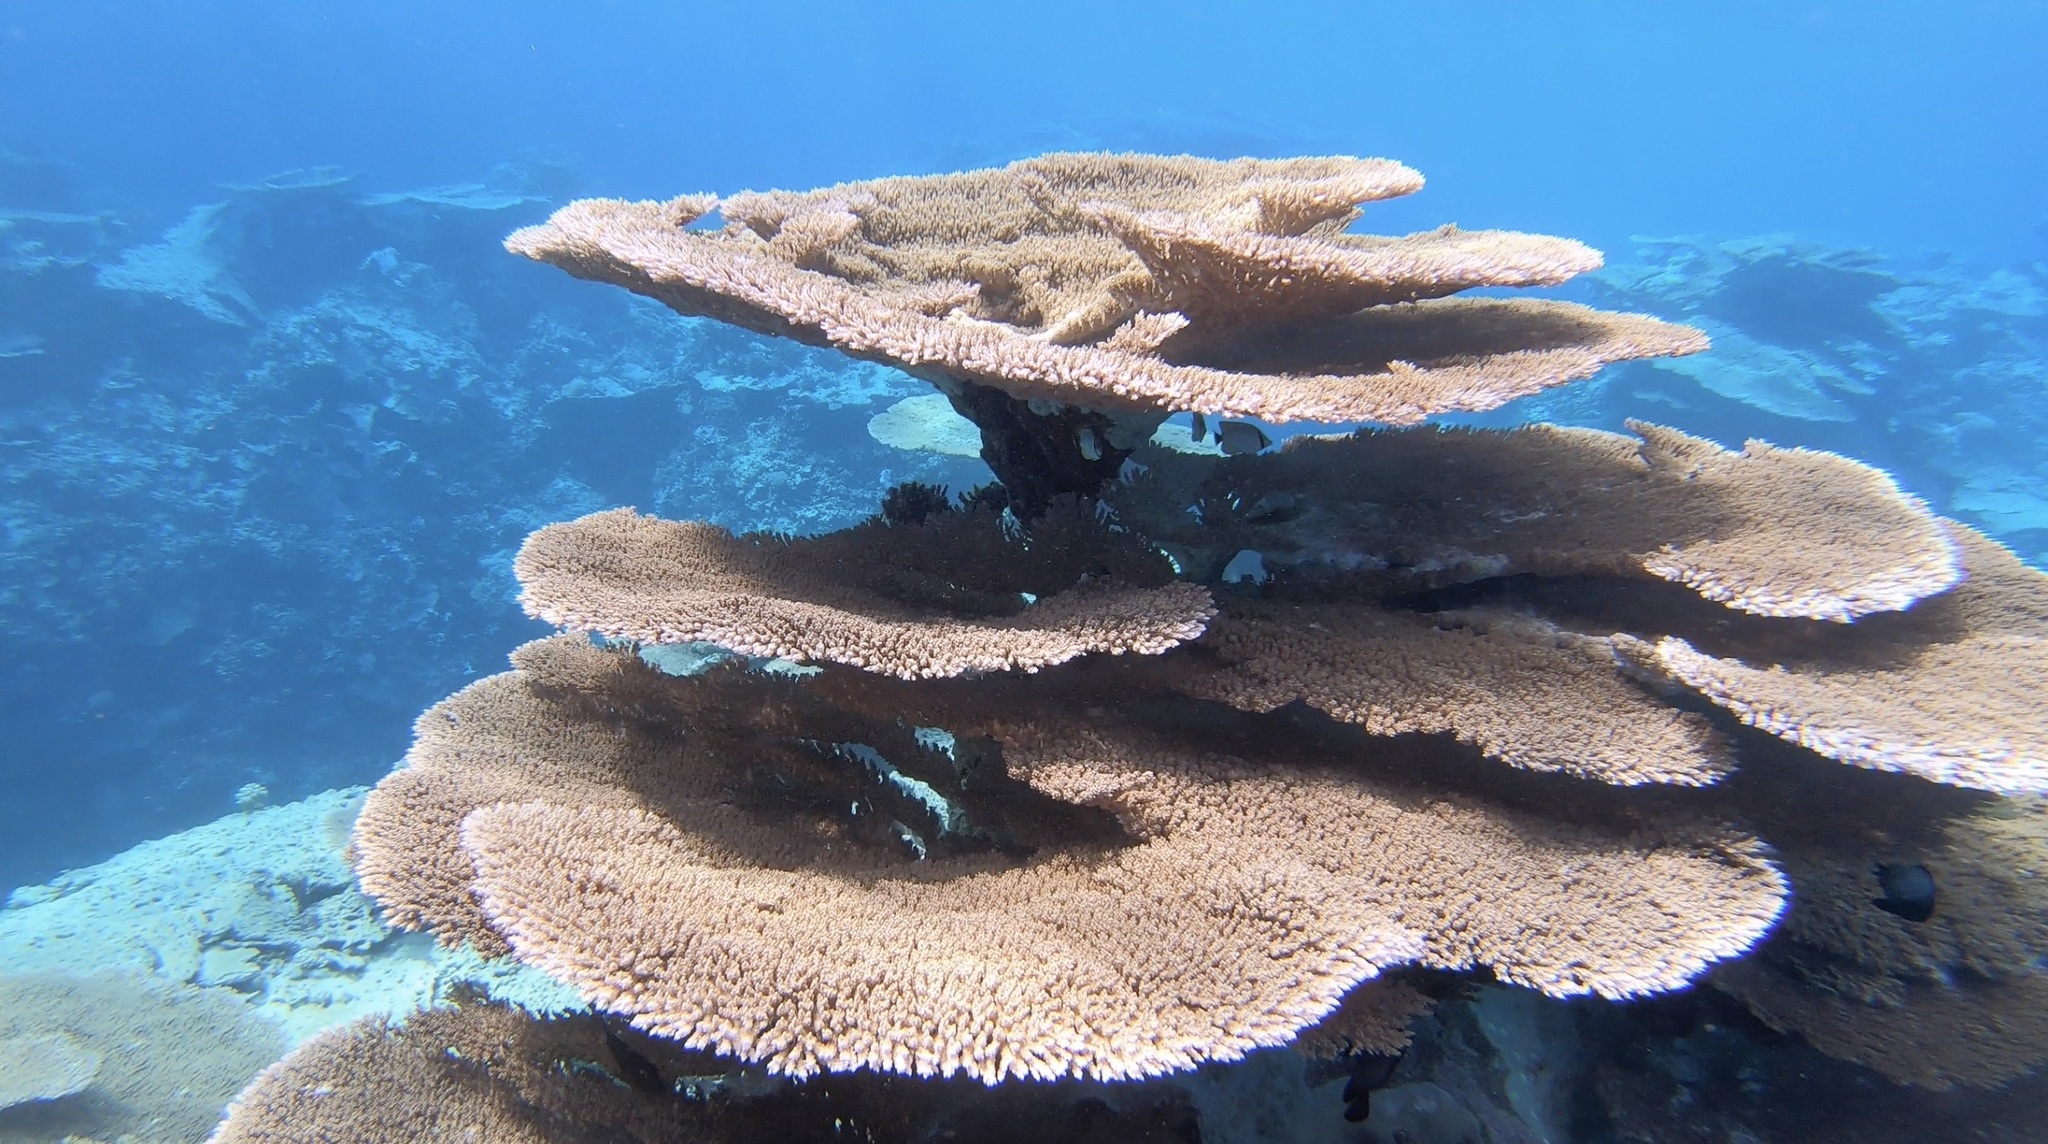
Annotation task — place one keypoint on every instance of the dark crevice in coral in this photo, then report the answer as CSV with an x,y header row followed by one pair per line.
x,y
1651,608
1037,456
911,502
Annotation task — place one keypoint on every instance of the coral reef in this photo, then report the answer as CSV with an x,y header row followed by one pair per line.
x,y
904,855
1064,300
1950,691
497,1074
1948,995
245,506
123,1057
50,1066
1926,366
856,596
1126,929
1405,711
1776,532
259,904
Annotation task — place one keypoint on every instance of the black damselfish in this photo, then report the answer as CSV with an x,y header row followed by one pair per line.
x,y
1908,891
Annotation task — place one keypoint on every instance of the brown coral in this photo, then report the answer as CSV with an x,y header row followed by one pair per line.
x,y
1103,968
1089,872
1373,1019
641,578
1223,278
1004,277
1242,907
1237,905
1771,531
992,906
1565,907
1990,920
1524,692
403,846
1951,691
372,1080
1935,1036
489,1073
555,726
1950,996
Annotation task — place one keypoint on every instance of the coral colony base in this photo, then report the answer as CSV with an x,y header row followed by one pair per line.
x,y
1017,786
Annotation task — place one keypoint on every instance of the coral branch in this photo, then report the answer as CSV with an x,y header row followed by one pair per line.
x,y
1951,691
636,577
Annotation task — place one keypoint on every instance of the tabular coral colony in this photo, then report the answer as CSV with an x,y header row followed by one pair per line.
x,y
1047,798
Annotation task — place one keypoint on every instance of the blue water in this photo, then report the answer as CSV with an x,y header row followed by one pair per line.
x,y
275,408
1890,123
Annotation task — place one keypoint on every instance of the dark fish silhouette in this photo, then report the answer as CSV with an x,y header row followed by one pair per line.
x,y
1908,891
1368,1072
1240,437
634,1067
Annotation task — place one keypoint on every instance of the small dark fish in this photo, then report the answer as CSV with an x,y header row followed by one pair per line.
x,y
1237,437
1908,890
1201,427
1358,1109
1368,1071
634,1067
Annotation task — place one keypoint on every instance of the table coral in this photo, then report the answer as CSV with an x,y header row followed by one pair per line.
x,y
908,858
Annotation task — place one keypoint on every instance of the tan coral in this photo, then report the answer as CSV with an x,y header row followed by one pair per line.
x,y
1373,1019
1951,691
371,1080
1222,279
489,1073
404,846
478,1072
1797,532
1520,690
1972,1033
1767,530
599,727
1034,275
1070,926
1990,918
1099,969
637,577
1017,237
1559,907
1952,997
1026,235
1242,903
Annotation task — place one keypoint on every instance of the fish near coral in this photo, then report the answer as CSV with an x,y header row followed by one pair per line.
x,y
1239,437
1908,890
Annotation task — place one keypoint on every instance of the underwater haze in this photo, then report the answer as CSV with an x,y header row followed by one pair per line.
x,y
277,408
1895,124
